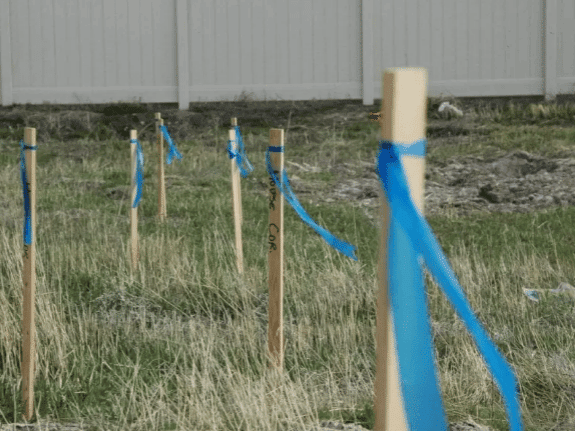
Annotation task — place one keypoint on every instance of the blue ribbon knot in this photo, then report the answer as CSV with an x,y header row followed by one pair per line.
x,y
239,154
173,151
139,172
412,243
27,234
284,186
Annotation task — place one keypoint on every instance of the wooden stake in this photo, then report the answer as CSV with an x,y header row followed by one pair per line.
x,y
161,180
276,255
29,288
236,200
133,210
403,121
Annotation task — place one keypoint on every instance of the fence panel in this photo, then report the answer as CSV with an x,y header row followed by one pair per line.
x,y
98,51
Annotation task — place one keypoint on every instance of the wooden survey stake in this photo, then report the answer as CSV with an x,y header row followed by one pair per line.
x,y
403,121
29,280
134,255
161,181
276,253
236,199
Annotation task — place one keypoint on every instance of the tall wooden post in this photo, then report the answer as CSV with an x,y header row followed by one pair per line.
x,y
161,181
403,121
276,253
29,280
134,255
236,200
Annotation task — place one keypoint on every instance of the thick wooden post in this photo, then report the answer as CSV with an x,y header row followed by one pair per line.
x,y
236,200
403,121
161,181
134,255
29,281
276,253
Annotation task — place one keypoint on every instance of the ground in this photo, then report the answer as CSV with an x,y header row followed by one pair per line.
x,y
514,181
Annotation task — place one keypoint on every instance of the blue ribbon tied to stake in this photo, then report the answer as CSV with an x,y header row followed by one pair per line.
x,y
139,172
27,234
239,154
411,244
173,151
284,186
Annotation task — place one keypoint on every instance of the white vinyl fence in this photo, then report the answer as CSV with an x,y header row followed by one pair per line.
x,y
99,51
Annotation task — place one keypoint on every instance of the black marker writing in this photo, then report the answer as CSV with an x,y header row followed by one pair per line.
x,y
272,237
273,193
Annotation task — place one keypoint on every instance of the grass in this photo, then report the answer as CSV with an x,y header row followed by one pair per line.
x,y
181,343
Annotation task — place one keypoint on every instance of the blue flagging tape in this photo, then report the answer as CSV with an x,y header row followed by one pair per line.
x,y
173,151
412,243
27,232
139,172
276,149
239,154
284,186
